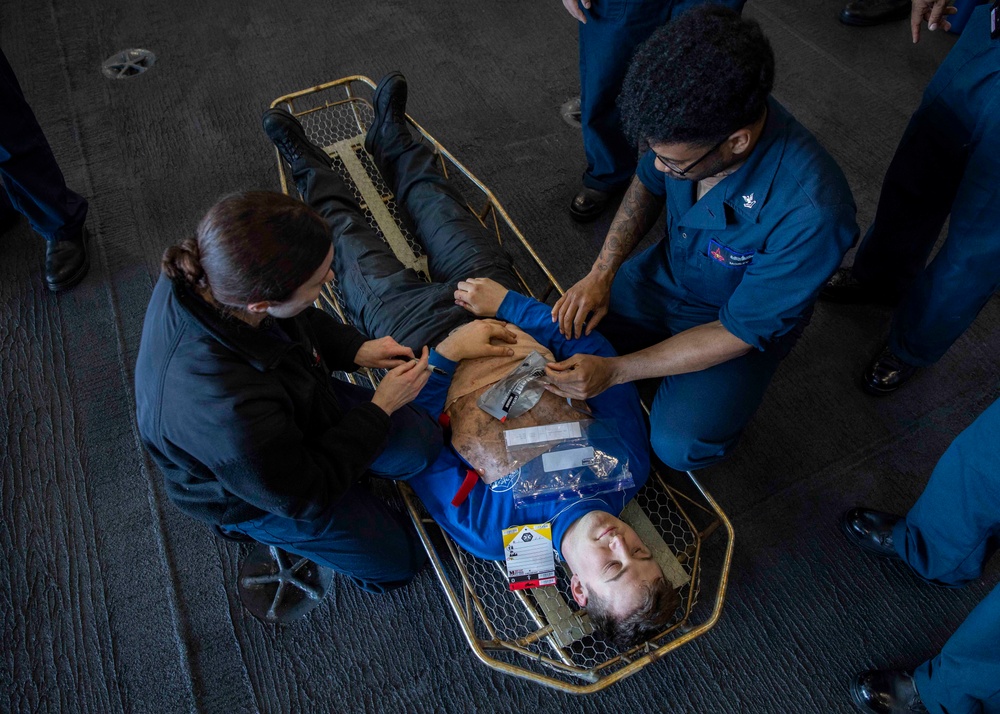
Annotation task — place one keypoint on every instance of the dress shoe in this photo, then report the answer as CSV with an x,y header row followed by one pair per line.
x,y
588,204
884,691
871,531
389,102
865,13
290,139
886,373
66,261
845,289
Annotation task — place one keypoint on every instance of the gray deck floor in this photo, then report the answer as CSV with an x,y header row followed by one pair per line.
x,y
113,601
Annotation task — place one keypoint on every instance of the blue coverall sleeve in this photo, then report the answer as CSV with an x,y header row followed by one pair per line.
x,y
435,393
784,279
535,318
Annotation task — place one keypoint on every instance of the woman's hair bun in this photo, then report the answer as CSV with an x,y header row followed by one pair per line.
x,y
183,262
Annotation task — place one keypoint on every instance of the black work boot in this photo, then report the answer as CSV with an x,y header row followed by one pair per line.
x,y
289,137
389,134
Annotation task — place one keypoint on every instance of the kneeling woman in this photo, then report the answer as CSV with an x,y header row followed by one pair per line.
x,y
237,406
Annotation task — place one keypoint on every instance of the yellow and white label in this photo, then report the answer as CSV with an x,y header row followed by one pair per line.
x,y
531,561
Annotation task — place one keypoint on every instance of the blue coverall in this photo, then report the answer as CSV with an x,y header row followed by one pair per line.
x,y
948,161
477,522
947,537
752,253
34,183
611,35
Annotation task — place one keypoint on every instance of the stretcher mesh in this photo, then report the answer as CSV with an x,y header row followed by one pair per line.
x,y
513,632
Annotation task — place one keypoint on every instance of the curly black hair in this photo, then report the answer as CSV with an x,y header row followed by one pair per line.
x,y
697,79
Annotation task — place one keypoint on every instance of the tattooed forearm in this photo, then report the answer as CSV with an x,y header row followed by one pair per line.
x,y
636,215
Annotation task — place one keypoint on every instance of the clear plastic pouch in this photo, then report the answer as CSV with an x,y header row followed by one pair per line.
x,y
566,461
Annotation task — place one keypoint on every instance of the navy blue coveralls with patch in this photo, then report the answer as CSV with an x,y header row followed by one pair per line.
x,y
752,253
948,162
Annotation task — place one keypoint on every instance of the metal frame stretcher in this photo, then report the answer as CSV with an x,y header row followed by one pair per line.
x,y
538,634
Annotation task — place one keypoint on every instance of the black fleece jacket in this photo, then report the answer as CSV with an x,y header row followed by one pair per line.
x,y
242,421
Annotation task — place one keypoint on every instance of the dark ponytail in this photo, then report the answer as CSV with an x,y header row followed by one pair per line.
x,y
182,262
249,247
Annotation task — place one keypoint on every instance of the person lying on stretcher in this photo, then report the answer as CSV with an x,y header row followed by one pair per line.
x,y
614,574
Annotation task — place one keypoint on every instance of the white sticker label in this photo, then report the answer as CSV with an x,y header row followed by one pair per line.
x,y
529,555
568,459
539,434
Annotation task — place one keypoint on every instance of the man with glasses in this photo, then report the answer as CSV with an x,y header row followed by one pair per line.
x,y
758,216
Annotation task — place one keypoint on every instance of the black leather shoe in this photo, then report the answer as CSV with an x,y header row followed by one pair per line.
x,y
588,204
290,139
886,373
871,531
66,262
885,691
865,13
389,103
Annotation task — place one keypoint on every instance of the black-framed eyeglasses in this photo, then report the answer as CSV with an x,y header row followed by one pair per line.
x,y
683,172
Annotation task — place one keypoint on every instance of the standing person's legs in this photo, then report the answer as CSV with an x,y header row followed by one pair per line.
x,y
954,526
949,294
924,176
916,197
30,173
36,187
358,537
609,38
965,677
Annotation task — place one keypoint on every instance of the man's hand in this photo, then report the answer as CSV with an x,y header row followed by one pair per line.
x,y
573,8
934,12
581,376
383,353
402,385
475,339
480,296
591,296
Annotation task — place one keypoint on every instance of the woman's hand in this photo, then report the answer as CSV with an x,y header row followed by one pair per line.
x,y
475,339
480,296
383,353
402,385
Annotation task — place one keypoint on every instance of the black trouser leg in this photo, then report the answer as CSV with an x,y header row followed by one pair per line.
x,y
458,246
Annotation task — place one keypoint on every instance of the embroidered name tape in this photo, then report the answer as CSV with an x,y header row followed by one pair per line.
x,y
728,256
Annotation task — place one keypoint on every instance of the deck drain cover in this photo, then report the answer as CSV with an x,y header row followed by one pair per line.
x,y
571,112
128,63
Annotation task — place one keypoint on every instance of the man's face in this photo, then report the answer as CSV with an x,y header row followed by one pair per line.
x,y
307,293
691,162
610,561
